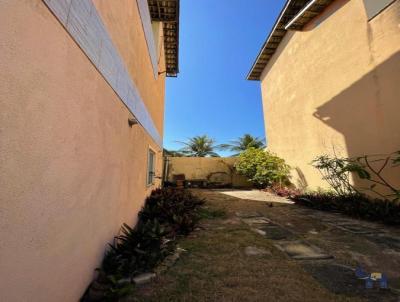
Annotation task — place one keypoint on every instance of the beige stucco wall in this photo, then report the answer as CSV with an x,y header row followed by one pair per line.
x,y
202,167
335,87
71,169
130,40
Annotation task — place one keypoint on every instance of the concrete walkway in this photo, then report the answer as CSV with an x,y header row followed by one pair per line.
x,y
257,195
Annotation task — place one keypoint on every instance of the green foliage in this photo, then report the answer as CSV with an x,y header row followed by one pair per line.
x,y
199,146
243,143
167,213
136,250
355,205
117,290
338,171
176,210
263,168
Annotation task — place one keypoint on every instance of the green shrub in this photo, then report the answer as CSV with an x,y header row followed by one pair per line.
x,y
355,205
176,210
262,168
166,214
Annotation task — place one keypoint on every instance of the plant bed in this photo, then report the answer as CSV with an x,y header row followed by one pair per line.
x,y
283,191
166,215
355,205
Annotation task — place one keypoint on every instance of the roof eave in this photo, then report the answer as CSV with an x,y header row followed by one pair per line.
x,y
249,75
297,15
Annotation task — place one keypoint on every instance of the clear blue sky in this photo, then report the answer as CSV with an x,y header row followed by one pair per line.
x,y
219,40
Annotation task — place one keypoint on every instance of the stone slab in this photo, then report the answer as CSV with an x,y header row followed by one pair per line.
x,y
275,232
258,231
242,214
256,221
255,251
336,278
301,251
336,221
144,278
358,229
387,240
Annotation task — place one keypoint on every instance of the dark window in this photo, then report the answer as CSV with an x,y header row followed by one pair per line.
x,y
151,167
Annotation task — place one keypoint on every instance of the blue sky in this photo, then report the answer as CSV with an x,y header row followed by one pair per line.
x,y
219,40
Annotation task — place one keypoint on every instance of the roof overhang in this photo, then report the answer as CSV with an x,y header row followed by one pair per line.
x,y
294,16
167,12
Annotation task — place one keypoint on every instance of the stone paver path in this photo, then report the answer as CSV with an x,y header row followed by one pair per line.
x,y
339,243
265,250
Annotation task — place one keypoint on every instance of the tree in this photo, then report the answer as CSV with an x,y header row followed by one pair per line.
x,y
243,143
199,146
263,168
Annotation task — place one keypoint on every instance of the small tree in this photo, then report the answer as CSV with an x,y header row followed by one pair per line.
x,y
338,171
263,168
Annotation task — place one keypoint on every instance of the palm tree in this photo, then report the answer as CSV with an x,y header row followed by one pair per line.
x,y
172,153
199,146
243,143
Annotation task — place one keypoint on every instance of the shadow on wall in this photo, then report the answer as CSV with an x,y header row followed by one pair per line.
x,y
302,183
368,114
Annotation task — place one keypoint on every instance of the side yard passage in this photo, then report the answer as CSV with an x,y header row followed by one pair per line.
x,y
283,252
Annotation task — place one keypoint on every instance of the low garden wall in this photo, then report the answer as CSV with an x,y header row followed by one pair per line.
x,y
217,170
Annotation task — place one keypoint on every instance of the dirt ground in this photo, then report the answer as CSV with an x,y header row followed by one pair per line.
x,y
262,250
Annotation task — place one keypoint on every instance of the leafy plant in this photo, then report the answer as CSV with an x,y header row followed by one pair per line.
x,y
283,191
373,166
177,210
116,289
355,205
107,288
167,213
136,250
263,168
243,143
199,146
338,171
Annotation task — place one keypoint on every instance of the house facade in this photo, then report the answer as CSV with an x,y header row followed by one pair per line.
x,y
330,74
81,121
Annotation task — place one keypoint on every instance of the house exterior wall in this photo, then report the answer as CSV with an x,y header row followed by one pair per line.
x,y
203,167
131,43
71,169
334,88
